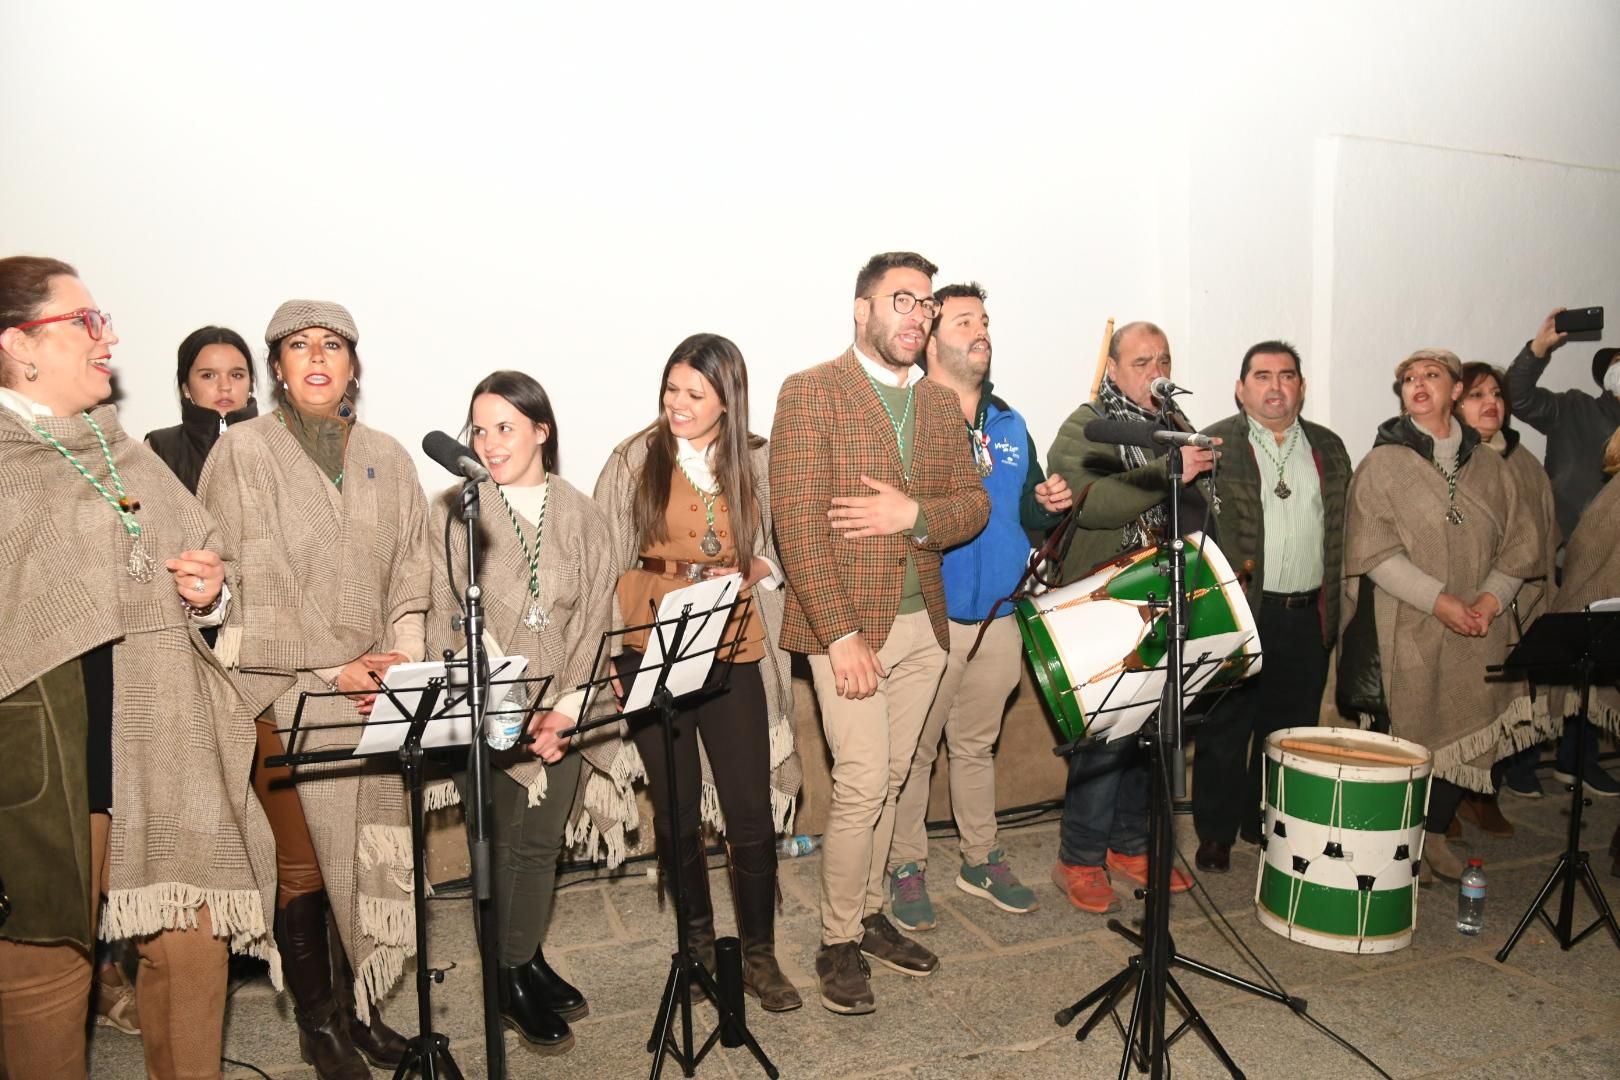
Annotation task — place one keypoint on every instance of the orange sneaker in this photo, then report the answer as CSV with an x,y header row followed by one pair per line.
x,y
1087,887
1135,867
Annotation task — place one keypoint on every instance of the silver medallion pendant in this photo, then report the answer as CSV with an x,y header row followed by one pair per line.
x,y
141,565
710,544
536,619
1282,490
1455,516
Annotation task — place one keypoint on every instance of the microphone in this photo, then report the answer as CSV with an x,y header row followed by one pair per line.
x,y
1163,390
1135,433
454,456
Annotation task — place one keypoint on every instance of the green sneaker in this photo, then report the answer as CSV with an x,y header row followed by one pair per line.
x,y
908,898
996,883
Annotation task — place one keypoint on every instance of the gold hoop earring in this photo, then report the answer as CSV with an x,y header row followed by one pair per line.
x,y
33,373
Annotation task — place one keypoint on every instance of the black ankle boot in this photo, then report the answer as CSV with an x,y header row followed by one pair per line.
x,y
378,1043
753,891
323,1037
527,1014
555,991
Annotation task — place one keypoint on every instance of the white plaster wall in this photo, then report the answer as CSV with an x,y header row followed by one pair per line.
x,y
572,189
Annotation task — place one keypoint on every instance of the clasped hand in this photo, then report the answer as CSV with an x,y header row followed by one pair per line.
x,y
1469,620
888,512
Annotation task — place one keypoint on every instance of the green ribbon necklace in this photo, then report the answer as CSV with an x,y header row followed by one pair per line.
x,y
141,566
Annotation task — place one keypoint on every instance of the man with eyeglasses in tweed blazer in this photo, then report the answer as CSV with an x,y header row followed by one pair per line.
x,y
868,486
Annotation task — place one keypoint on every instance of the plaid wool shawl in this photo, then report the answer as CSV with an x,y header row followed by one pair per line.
x,y
186,827
320,578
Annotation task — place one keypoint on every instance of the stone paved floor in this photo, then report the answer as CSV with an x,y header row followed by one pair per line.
x,y
1440,1008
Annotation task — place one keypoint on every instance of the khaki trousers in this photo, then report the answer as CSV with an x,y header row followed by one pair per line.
x,y
45,992
180,986
872,742
967,711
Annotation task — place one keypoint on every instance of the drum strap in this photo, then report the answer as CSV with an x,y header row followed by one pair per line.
x,y
1055,548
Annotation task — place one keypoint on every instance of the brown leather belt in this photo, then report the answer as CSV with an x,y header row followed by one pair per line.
x,y
691,571
1307,598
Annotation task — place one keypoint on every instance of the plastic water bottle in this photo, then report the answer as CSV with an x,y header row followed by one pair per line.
x,y
502,728
1471,899
794,846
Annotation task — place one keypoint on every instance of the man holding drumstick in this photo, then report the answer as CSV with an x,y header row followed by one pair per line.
x,y
1105,808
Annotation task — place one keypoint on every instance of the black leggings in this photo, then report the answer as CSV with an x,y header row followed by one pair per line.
x,y
736,736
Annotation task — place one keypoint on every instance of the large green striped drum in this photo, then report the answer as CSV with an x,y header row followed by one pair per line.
x,y
1343,836
1098,644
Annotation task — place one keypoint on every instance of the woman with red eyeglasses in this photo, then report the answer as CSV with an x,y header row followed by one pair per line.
x,y
124,746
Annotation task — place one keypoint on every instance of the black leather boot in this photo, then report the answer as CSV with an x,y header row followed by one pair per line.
x,y
555,991
306,968
753,892
694,878
525,1012
378,1043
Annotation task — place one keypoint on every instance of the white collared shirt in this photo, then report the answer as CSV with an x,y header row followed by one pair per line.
x,y
885,375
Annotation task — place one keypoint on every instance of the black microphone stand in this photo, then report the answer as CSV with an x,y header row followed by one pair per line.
x,y
1146,1043
478,809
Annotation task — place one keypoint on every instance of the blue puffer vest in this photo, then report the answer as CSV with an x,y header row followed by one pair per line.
x,y
986,568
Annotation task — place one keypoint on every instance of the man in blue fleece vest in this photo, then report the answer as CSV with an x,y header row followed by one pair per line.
x,y
967,709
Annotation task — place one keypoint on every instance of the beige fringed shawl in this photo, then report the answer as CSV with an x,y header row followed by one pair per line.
x,y
320,579
576,593
1592,572
615,494
186,827
1434,680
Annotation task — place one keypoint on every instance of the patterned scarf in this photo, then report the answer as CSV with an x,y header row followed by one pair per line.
x,y
1150,526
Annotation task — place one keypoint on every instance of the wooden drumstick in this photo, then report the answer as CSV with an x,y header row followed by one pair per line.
x,y
1329,749
1102,356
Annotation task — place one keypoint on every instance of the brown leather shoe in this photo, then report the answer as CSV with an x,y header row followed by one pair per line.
x,y
1214,857
753,892
1482,810
306,967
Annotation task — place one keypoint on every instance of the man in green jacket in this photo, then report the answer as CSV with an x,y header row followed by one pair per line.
x,y
1282,485
1123,497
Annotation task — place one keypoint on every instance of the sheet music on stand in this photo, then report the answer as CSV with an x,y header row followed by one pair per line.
x,y
710,602
1135,694
451,724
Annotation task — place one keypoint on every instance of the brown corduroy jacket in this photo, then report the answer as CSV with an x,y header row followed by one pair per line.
x,y
830,430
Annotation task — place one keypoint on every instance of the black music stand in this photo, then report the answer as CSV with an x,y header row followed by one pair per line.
x,y
675,639
427,1054
1146,1043
1575,648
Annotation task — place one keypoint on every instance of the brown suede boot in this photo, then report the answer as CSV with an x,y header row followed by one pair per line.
x,y
378,1043
753,892
306,966
1482,810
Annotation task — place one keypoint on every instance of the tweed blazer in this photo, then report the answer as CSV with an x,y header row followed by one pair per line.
x,y
830,430
1243,517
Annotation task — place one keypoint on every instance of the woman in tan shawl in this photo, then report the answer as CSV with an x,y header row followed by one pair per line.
x,y
329,523
687,497
124,747
1442,539
1484,407
547,582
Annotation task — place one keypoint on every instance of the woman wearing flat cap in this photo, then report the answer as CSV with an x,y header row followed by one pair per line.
x,y
329,525
1438,539
124,745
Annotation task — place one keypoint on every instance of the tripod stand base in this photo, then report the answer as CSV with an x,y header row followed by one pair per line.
x,y
683,969
1572,867
428,1057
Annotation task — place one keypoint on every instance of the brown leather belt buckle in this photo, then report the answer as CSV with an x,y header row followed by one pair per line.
x,y
694,572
